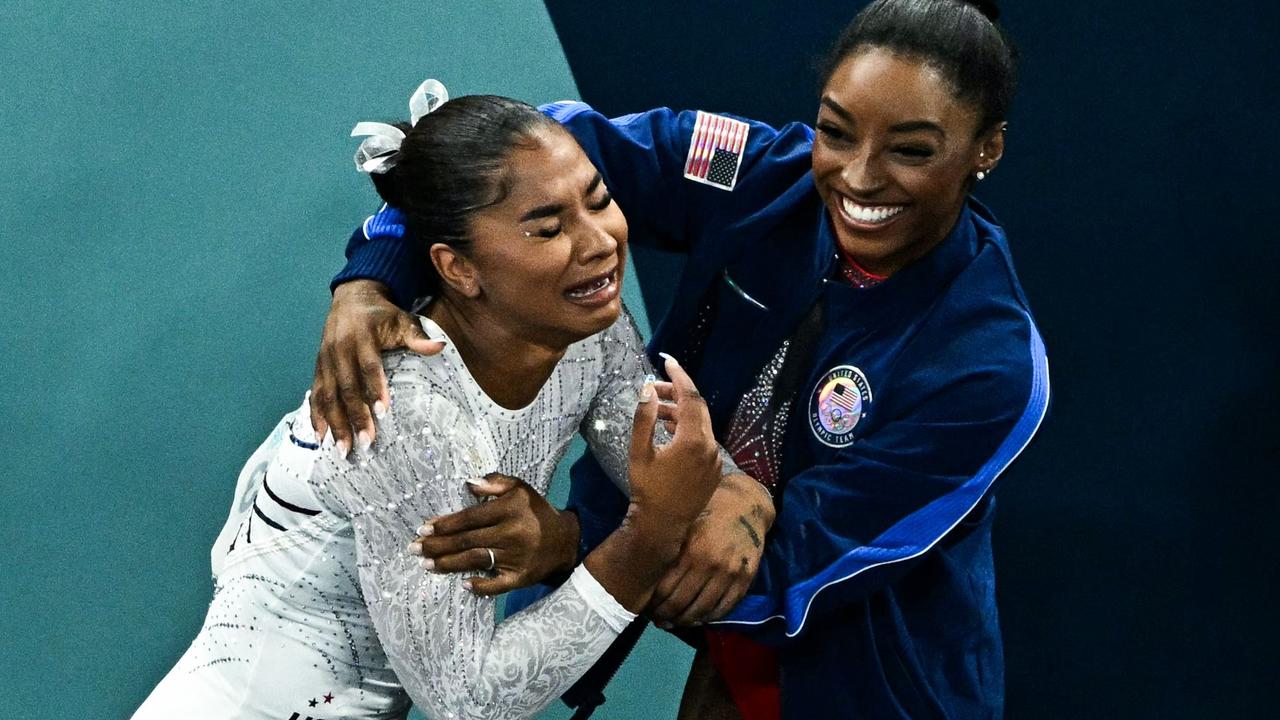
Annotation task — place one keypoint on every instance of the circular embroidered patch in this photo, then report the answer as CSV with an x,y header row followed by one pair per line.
x,y
839,401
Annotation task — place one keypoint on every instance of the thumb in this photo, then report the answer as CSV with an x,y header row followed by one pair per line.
x,y
491,485
642,426
409,334
489,586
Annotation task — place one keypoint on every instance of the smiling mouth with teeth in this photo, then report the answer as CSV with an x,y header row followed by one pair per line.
x,y
869,214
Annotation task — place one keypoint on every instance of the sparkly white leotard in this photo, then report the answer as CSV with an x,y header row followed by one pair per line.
x,y
318,611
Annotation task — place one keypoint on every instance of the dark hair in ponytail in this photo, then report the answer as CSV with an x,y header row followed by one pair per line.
x,y
452,164
962,40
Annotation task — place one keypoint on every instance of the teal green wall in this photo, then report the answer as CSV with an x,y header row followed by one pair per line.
x,y
176,190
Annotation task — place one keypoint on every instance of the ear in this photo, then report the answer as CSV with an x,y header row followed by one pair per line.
x,y
456,269
990,149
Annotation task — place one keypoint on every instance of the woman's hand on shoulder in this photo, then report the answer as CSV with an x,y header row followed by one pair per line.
x,y
349,387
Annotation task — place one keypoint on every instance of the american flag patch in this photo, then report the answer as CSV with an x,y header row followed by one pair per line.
x,y
715,151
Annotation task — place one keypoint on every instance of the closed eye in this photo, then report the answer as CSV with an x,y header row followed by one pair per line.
x,y
831,132
914,151
603,203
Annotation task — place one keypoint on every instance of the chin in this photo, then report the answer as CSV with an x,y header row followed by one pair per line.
x,y
605,316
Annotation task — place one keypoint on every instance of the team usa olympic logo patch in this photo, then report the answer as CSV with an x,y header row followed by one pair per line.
x,y
840,400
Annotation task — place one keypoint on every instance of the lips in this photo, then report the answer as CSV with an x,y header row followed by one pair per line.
x,y
596,290
868,217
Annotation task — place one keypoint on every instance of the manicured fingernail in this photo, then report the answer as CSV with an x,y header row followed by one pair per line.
x,y
476,482
646,393
379,409
428,564
363,441
426,530
466,584
414,548
343,448
668,358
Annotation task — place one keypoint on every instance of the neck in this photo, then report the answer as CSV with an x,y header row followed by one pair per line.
x,y
510,368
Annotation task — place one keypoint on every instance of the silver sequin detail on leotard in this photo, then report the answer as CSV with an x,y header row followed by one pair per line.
x,y
333,605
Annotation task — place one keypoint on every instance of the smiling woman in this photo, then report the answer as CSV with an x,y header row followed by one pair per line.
x,y
893,155
912,112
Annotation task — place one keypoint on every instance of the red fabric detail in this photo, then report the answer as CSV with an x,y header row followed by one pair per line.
x,y
857,275
750,670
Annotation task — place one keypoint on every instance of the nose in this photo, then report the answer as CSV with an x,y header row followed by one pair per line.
x,y
863,173
595,241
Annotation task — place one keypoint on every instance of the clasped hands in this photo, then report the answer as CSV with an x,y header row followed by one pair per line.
x,y
516,537
531,540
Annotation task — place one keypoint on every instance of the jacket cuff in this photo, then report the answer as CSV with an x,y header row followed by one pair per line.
x,y
387,260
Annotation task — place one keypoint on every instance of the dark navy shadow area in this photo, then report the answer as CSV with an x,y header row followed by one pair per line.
x,y
1135,537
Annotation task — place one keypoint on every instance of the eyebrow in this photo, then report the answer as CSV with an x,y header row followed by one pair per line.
x,y
835,108
551,209
915,125
909,126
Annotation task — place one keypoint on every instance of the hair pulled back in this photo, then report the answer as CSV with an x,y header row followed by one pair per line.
x,y
962,40
452,163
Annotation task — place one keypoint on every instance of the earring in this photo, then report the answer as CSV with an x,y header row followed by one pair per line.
x,y
981,175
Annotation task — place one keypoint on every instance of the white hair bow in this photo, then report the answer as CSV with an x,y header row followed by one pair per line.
x,y
380,149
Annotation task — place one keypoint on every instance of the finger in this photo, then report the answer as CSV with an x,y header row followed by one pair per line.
x,y
469,519
492,485
642,426
667,585
680,598
665,390
438,547
373,381
707,598
473,560
691,409
667,412
729,600
314,401
480,585
352,398
335,417
411,335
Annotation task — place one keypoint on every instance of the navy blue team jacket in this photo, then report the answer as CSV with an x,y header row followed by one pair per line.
x,y
877,585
